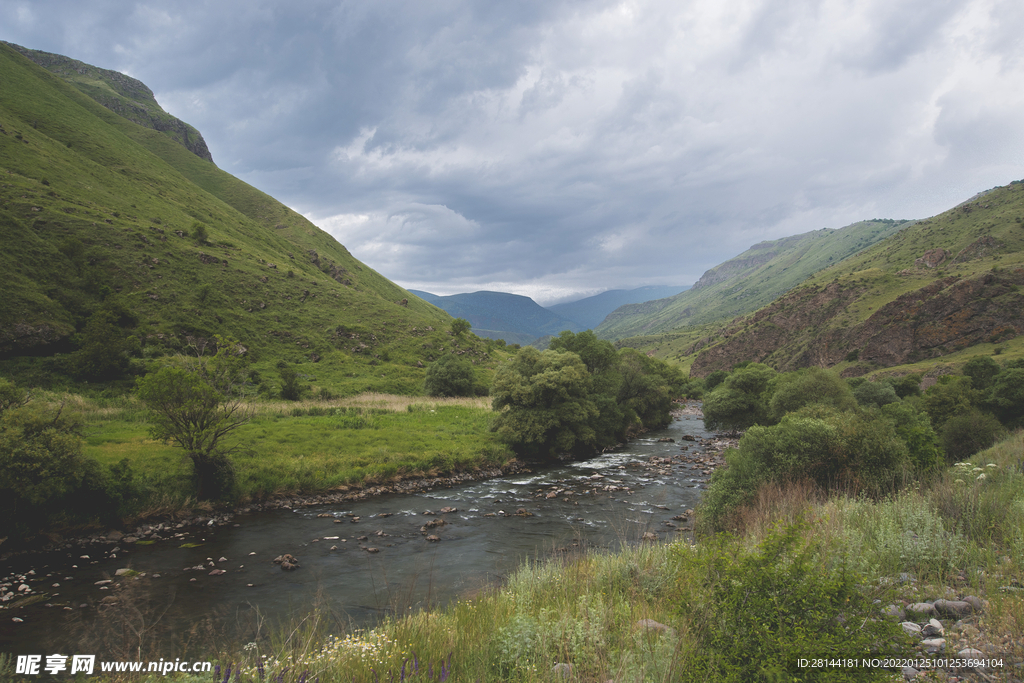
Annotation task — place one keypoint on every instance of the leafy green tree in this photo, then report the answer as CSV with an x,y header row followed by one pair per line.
x,y
982,370
449,375
192,414
908,385
1006,397
41,460
794,390
460,326
741,400
291,390
544,404
103,349
606,379
875,394
969,432
597,354
714,379
951,395
647,388
915,429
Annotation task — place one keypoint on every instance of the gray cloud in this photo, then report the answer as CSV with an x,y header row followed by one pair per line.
x,y
553,148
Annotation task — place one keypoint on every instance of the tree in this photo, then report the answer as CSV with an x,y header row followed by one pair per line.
x,y
794,390
1007,397
544,404
982,370
741,400
291,390
103,349
875,394
460,326
195,416
449,375
41,459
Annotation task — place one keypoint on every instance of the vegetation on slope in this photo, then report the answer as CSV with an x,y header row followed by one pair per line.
x,y
101,216
747,282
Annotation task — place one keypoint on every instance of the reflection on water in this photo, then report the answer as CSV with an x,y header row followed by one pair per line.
x,y
372,557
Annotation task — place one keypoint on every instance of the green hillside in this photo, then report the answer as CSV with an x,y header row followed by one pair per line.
x,y
943,288
746,282
99,213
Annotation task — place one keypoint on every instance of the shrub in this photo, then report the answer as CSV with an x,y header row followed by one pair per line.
x,y
982,371
544,403
967,433
794,390
741,400
875,394
1007,397
756,612
291,390
449,375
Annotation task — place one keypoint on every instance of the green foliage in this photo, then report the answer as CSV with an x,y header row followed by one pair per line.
x,y
909,385
794,390
200,235
741,400
449,375
969,432
192,414
291,389
598,355
756,612
103,349
982,370
951,395
1006,397
647,388
875,394
714,379
915,429
544,403
459,326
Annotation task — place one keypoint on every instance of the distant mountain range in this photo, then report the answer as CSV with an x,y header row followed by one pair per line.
x,y
520,320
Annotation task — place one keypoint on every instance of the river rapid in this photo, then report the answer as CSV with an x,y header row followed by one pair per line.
x,y
362,559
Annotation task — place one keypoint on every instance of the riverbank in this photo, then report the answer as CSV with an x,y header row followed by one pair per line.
x,y
936,570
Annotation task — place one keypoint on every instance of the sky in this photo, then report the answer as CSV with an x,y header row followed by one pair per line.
x,y
559,148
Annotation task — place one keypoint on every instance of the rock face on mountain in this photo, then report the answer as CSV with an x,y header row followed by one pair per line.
x,y
121,94
945,316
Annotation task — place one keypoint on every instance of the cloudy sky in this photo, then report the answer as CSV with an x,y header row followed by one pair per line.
x,y
558,148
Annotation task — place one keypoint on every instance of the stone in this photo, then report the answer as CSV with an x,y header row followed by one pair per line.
x,y
652,625
433,539
933,645
123,571
911,628
649,536
974,602
217,572
953,608
894,611
925,608
562,670
909,673
933,628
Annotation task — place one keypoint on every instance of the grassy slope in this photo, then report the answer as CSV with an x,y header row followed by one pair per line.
x,y
79,174
746,282
984,241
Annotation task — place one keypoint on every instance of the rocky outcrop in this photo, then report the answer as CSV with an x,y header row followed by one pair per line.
x,y
40,339
798,330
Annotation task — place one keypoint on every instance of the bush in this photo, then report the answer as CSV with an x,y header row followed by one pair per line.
x,y
741,400
875,394
756,612
449,376
291,390
544,404
1006,397
982,370
968,433
794,390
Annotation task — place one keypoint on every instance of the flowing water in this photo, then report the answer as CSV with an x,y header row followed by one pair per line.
x,y
497,524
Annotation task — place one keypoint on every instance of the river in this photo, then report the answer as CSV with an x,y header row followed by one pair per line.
x,y
361,559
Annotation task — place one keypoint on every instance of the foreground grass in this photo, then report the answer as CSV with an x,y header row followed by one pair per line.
x,y
582,615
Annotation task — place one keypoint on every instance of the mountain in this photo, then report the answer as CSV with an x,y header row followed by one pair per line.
x,y
100,213
942,288
499,315
591,311
747,282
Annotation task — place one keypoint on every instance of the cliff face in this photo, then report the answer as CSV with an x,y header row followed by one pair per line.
x,y
125,96
799,330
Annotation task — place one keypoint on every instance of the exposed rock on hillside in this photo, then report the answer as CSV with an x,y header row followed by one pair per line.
x,y
942,317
